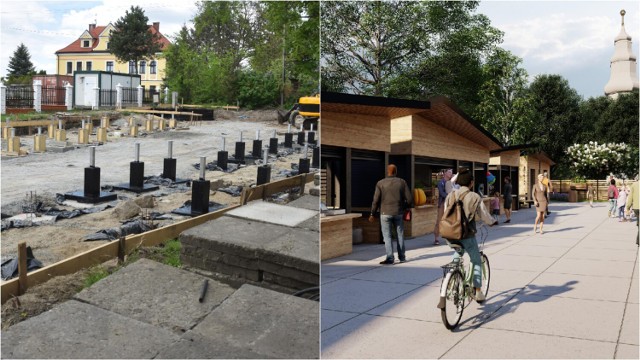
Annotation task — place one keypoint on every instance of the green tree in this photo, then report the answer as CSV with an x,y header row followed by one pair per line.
x,y
131,39
556,110
505,108
619,122
406,49
20,67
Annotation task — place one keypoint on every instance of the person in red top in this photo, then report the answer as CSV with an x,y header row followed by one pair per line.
x,y
612,194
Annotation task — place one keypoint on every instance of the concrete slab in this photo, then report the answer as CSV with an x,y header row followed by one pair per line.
x,y
587,253
195,346
627,352
482,344
604,268
560,316
273,213
524,249
265,322
312,224
331,318
417,339
74,330
581,286
630,326
402,273
633,291
519,262
504,280
306,202
360,295
157,294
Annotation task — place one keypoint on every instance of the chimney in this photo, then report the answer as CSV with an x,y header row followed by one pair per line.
x,y
156,25
92,26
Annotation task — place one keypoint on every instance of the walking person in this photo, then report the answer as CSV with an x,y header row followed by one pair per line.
x,y
495,206
612,195
549,189
590,194
633,202
444,188
392,196
474,209
538,193
507,198
621,202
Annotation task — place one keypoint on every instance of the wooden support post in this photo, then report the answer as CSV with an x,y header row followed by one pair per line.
x,y
121,250
22,268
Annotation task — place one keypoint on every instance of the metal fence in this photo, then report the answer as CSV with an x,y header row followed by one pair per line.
x,y
53,95
19,96
129,96
108,97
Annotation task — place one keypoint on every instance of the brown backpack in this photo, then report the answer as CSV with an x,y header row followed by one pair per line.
x,y
454,225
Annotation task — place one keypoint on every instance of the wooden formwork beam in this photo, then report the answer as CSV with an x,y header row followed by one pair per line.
x,y
265,190
105,252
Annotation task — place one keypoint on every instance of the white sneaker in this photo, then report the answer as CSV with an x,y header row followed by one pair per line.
x,y
480,298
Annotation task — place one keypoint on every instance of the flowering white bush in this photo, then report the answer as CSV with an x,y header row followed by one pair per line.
x,y
595,160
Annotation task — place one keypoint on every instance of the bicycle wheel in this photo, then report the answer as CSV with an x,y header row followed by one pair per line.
x,y
454,301
486,275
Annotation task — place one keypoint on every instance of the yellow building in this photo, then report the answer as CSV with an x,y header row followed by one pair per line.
x,y
90,52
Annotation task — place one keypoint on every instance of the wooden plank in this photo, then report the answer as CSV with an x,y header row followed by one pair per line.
x,y
106,252
159,112
26,123
366,132
337,238
22,267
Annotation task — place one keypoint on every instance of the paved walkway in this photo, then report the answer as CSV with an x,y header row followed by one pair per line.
x,y
569,293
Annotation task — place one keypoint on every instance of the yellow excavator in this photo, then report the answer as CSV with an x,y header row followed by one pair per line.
x,y
305,111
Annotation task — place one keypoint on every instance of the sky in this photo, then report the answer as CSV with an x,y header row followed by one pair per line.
x,y
571,38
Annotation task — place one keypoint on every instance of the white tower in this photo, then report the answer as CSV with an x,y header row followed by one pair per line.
x,y
624,77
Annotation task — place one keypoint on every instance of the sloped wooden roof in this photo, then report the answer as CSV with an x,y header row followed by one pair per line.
x,y
439,110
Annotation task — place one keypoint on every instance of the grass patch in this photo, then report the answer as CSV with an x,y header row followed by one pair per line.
x,y
95,274
167,253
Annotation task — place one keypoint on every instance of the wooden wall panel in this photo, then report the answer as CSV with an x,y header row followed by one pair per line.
x,y
510,158
336,239
356,131
401,133
432,140
423,221
370,231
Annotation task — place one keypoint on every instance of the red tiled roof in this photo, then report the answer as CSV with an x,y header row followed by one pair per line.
x,y
76,46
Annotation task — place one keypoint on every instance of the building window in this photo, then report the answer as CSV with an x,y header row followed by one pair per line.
x,y
89,65
132,67
79,66
110,66
85,43
152,67
69,67
143,67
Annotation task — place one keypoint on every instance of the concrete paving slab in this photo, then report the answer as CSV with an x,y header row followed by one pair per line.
x,y
503,280
306,202
519,262
273,213
544,240
331,318
157,294
633,291
359,295
297,248
266,322
588,253
602,242
344,268
402,273
606,268
403,338
74,330
312,224
630,326
195,346
560,316
525,249
581,286
625,351
483,344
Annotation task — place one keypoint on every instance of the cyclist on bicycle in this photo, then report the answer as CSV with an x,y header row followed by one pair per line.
x,y
474,208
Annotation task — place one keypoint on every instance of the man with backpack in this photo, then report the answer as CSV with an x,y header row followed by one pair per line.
x,y
473,209
612,195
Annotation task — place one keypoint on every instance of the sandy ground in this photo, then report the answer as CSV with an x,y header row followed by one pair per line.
x,y
50,173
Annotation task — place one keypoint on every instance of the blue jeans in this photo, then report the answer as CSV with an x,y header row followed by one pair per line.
x,y
612,206
386,222
471,246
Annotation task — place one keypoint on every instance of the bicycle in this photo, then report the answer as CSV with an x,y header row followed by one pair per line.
x,y
457,285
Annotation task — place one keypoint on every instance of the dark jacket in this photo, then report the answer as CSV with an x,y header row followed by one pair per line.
x,y
392,196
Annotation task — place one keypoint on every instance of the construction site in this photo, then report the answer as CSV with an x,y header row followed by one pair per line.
x,y
97,189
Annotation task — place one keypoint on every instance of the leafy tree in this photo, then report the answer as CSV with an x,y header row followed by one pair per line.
x,y
506,107
20,67
596,161
131,39
619,122
406,49
556,111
